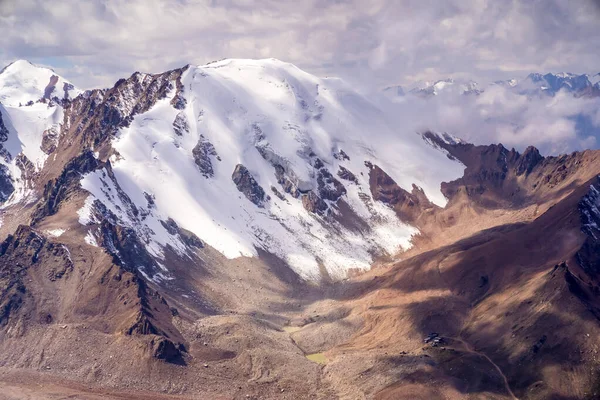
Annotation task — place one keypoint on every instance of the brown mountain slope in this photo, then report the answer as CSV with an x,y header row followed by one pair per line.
x,y
511,303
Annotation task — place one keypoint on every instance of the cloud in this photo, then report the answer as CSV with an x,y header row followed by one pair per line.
x,y
555,125
371,43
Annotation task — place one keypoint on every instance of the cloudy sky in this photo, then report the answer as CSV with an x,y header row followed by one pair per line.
x,y
369,43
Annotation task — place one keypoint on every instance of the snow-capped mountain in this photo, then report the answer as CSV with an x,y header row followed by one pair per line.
x,y
535,84
184,232
446,86
31,111
247,156
551,84
23,83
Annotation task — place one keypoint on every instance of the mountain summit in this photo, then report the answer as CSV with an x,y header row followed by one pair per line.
x,y
22,82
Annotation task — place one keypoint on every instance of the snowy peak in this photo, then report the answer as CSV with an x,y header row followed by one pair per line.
x,y
551,84
445,86
23,83
535,84
253,155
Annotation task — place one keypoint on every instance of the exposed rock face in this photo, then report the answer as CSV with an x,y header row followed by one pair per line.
x,y
347,175
314,203
12,286
66,88
99,114
164,349
19,252
490,173
407,205
179,102
186,236
341,155
50,87
139,311
50,140
277,193
180,125
124,245
6,184
58,190
588,256
287,185
329,187
248,185
3,130
528,161
203,152
3,138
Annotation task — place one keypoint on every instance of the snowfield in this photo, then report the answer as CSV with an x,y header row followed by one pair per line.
x,y
22,85
257,113
265,115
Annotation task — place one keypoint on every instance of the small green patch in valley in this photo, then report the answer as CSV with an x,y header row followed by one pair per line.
x,y
319,358
291,329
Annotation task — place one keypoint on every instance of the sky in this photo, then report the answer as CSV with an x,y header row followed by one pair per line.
x,y
370,44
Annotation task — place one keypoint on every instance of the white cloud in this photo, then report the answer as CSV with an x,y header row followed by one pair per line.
x,y
555,125
372,43
369,43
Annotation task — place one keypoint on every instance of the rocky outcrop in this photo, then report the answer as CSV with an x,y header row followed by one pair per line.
x,y
588,255
246,184
203,154
287,185
313,203
490,176
19,252
67,87
3,131
99,114
50,140
165,349
407,205
3,138
26,257
58,190
180,124
341,155
186,236
277,193
530,158
347,175
6,184
179,102
49,89
328,187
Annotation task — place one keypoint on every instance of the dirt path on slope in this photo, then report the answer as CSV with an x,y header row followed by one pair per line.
x,y
469,349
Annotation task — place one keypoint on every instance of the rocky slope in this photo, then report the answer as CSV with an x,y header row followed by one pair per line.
x,y
209,232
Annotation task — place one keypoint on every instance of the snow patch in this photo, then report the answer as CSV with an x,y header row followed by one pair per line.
x,y
91,239
55,232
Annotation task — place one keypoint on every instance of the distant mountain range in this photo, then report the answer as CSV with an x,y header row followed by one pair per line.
x,y
535,84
